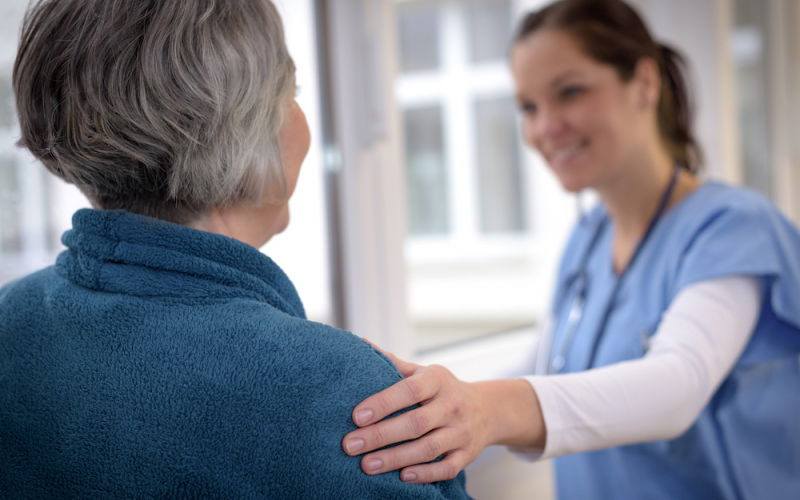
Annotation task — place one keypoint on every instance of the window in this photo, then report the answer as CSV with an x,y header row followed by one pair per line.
x,y
488,30
749,55
764,46
418,29
500,176
473,261
426,171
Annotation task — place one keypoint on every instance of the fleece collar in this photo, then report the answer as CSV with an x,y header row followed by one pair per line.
x,y
116,251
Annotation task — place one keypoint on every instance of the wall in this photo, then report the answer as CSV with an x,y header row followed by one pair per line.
x,y
699,29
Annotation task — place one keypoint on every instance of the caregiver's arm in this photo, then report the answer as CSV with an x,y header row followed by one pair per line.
x,y
699,339
659,396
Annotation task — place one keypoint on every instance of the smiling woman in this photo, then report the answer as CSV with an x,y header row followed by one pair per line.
x,y
597,117
581,115
587,97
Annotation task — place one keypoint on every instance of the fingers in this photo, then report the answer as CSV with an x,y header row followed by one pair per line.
x,y
421,386
406,369
450,422
409,425
368,341
444,470
420,451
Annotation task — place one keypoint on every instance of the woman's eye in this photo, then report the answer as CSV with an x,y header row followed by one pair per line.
x,y
527,108
570,92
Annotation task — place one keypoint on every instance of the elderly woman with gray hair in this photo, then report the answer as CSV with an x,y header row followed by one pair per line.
x,y
163,356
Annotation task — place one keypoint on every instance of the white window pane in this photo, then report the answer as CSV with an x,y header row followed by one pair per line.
x,y
500,173
10,234
748,48
426,176
52,230
470,271
418,29
489,30
8,117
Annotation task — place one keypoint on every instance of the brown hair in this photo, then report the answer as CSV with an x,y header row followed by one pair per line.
x,y
160,107
611,32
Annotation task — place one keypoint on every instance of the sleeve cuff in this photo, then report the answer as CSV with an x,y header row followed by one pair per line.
x,y
547,402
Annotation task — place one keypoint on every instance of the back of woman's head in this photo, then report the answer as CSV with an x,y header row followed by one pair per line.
x,y
611,32
161,107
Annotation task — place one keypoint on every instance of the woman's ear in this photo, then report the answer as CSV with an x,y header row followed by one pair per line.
x,y
647,78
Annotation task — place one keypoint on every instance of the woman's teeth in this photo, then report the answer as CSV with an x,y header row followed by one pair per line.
x,y
564,153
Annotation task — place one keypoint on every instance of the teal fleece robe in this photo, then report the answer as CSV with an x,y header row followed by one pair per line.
x,y
158,361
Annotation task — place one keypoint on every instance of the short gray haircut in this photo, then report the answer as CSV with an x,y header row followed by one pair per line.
x,y
161,107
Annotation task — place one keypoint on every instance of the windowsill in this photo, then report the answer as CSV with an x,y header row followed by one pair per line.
x,y
497,356
450,251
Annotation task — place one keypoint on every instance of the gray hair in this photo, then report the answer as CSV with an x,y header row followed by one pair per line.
x,y
161,107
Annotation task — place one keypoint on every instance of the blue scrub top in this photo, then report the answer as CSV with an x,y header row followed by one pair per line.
x,y
746,442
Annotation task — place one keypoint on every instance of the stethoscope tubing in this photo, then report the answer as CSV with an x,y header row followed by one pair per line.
x,y
557,362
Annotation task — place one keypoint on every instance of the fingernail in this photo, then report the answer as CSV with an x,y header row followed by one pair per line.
x,y
363,416
374,464
409,476
354,445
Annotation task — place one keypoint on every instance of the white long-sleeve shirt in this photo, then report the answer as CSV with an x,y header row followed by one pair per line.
x,y
659,396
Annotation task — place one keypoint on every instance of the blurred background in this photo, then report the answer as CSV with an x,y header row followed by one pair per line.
x,y
420,220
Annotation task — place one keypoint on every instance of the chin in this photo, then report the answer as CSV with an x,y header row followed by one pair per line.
x,y
577,177
572,182
573,187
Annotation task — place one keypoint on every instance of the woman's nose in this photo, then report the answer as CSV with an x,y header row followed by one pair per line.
x,y
547,123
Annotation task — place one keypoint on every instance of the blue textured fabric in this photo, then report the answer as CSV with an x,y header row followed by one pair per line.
x,y
157,361
746,442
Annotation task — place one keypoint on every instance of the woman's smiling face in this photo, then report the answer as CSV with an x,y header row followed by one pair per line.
x,y
587,123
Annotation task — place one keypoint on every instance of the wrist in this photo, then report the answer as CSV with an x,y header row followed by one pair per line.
x,y
514,416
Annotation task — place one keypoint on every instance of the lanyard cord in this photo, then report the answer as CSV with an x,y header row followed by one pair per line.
x,y
555,364
662,207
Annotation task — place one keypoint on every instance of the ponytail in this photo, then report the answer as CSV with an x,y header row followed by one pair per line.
x,y
675,111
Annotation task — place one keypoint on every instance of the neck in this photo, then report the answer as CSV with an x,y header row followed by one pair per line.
x,y
246,222
633,197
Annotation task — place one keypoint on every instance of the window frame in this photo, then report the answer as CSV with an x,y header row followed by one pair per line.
x,y
457,85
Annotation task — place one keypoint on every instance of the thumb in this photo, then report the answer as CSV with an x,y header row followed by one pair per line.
x,y
406,368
